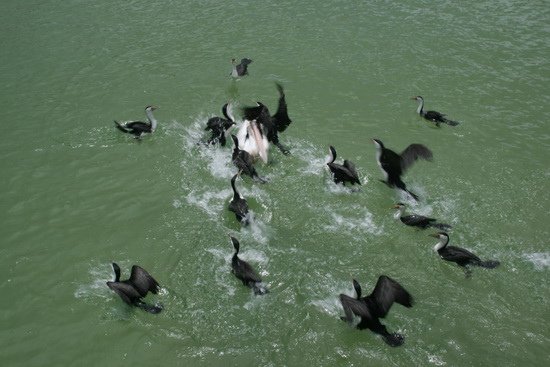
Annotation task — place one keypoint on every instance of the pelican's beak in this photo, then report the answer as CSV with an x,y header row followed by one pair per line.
x,y
395,207
257,136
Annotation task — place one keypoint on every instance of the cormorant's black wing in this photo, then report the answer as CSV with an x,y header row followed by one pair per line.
x,y
281,116
143,281
386,292
138,126
458,254
351,168
414,152
244,271
434,116
417,220
354,306
128,294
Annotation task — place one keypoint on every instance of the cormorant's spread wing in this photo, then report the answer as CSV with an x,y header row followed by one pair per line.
x,y
253,113
351,167
143,281
388,291
281,116
214,124
125,291
354,306
414,152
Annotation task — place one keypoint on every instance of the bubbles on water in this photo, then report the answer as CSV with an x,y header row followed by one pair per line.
x,y
437,360
541,260
97,286
361,221
211,202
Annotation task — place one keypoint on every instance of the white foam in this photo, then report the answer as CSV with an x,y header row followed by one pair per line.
x,y
541,260
211,202
97,286
354,223
316,162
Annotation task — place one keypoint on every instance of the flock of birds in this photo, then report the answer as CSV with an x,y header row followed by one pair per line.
x,y
257,131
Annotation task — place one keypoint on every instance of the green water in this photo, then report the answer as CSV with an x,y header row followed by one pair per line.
x,y
78,194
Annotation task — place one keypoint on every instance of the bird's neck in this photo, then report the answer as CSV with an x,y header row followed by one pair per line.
x,y
420,106
442,243
152,119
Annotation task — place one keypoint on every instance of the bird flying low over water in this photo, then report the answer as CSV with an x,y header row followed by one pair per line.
x,y
240,69
269,125
138,128
135,288
393,165
459,255
376,306
432,116
238,204
418,221
220,126
245,272
342,173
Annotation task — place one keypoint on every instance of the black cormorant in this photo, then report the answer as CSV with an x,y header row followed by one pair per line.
x,y
134,289
375,306
138,128
432,116
244,272
393,165
342,173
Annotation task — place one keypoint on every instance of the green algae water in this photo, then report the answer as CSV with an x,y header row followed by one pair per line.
x,y
77,194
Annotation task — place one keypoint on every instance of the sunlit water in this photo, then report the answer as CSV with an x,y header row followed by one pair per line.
x,y
78,194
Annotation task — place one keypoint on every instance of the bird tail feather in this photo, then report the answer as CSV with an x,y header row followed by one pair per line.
x,y
450,122
154,309
120,127
442,226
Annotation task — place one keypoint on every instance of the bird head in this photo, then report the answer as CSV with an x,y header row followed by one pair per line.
x,y
378,143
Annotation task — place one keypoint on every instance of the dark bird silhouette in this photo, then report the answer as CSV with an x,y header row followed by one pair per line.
x,y
271,125
459,255
375,306
393,165
238,204
220,126
244,271
342,173
244,161
432,116
134,289
138,128
240,69
418,221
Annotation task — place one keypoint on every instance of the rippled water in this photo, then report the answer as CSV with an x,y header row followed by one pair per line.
x,y
77,194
